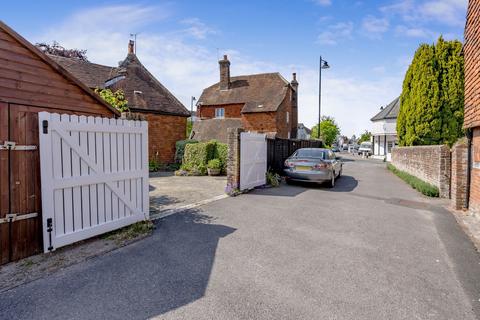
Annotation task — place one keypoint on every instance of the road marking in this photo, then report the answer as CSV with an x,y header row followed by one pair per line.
x,y
169,212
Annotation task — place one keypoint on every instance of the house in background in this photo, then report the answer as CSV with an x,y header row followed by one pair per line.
x,y
263,102
384,130
166,116
303,133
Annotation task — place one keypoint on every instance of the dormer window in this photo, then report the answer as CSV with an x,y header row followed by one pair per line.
x,y
220,113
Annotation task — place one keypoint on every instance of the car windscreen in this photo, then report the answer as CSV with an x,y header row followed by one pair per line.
x,y
310,153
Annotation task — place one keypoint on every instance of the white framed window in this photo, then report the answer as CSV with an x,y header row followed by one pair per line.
x,y
288,116
219,112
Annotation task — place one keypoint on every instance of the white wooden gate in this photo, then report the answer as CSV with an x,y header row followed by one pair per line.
x,y
94,174
253,160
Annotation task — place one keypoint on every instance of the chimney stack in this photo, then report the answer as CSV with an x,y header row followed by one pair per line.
x,y
224,73
131,47
294,81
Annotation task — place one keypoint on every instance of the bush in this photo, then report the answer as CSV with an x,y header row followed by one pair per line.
x,y
221,153
197,156
214,164
420,185
180,149
273,178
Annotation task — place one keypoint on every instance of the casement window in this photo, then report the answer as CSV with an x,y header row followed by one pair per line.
x,y
288,116
219,112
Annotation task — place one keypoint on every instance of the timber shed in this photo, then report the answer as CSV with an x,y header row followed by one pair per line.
x,y
30,82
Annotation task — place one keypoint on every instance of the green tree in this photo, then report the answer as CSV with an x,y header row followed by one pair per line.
x,y
115,99
329,130
431,110
366,136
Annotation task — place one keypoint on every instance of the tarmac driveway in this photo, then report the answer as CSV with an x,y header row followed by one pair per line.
x,y
371,248
168,191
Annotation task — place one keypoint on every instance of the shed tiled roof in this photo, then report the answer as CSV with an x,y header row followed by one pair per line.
x,y
91,74
142,90
259,92
389,112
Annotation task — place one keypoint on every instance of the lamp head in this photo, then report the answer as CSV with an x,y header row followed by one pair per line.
x,y
325,65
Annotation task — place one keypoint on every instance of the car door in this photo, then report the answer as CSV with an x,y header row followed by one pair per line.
x,y
334,161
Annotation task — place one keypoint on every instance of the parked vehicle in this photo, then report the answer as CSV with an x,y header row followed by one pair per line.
x,y
365,148
314,165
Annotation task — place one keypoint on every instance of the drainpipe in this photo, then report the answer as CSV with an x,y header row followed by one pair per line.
x,y
469,166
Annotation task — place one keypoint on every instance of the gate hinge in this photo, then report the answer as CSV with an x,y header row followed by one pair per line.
x,y
12,145
11,217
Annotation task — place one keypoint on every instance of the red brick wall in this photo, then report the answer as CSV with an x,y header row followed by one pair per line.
x,y
282,126
471,51
459,175
231,111
163,132
474,204
431,164
260,121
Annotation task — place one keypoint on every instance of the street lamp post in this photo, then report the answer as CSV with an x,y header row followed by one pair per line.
x,y
323,65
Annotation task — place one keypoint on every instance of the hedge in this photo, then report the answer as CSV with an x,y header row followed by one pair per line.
x,y
221,153
180,149
420,185
197,155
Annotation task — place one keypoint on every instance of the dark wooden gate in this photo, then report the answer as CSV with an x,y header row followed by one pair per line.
x,y
278,150
20,207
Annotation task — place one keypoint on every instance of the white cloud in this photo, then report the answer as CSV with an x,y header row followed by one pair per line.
x,y
448,12
373,27
351,101
415,32
336,33
451,12
197,28
323,2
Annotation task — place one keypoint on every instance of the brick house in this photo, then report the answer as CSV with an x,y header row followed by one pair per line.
x,y
166,116
264,102
471,51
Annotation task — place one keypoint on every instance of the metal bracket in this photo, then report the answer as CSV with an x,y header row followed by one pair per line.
x,y
11,217
12,145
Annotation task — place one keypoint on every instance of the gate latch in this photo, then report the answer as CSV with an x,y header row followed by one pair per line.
x,y
12,145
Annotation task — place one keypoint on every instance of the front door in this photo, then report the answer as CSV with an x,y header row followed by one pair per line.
x,y
20,207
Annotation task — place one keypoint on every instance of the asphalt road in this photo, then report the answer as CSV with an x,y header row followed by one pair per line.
x,y
371,248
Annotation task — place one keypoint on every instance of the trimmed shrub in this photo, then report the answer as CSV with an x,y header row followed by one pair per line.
x,y
180,149
214,164
221,153
197,156
420,185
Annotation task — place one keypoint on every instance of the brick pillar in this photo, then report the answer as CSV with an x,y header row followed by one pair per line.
x,y
459,175
445,172
233,159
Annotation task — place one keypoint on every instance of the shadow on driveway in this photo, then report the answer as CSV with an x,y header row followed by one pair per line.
x,y
168,270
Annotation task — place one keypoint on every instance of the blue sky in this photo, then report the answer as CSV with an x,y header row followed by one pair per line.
x,y
368,44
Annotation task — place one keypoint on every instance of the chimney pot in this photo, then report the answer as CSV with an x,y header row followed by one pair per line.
x,y
225,57
131,47
294,75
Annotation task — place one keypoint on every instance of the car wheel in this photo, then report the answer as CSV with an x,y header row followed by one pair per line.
x,y
332,181
288,181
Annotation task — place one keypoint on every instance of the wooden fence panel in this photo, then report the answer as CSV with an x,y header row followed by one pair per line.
x,y
94,176
278,150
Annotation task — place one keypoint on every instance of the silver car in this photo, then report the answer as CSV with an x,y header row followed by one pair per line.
x,y
313,164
